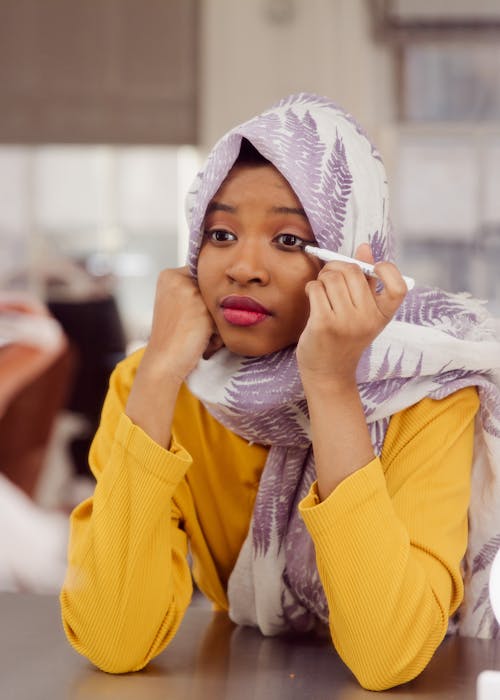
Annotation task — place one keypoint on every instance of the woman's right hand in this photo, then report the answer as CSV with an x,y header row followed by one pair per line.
x,y
182,327
182,332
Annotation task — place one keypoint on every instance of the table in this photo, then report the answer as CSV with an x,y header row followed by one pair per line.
x,y
210,659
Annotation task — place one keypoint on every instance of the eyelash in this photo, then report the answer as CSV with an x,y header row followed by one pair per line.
x,y
299,242
211,235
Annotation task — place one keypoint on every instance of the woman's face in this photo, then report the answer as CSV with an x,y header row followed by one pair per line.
x,y
251,270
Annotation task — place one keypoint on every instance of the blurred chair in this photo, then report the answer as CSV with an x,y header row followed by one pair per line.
x,y
84,304
97,340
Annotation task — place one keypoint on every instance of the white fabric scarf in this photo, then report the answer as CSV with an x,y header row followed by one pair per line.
x,y
437,344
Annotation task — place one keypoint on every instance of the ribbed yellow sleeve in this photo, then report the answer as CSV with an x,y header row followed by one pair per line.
x,y
389,541
128,582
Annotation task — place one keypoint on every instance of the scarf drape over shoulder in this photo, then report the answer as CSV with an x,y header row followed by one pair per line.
x,y
438,343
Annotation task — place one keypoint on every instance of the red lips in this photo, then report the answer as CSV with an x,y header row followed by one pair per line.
x,y
244,304
243,311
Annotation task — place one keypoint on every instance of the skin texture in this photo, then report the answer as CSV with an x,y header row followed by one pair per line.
x,y
332,312
251,249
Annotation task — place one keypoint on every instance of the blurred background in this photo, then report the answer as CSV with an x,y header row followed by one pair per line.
x,y
108,107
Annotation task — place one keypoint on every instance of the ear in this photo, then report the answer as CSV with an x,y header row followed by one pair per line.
x,y
364,253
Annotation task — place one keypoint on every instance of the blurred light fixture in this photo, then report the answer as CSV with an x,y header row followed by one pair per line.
x,y
119,264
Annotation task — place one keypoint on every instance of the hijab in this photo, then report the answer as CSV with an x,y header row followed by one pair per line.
x,y
436,344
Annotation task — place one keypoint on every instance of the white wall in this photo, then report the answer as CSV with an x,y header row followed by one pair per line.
x,y
255,51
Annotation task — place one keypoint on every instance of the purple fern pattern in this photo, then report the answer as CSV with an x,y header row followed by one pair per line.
x,y
425,306
307,150
378,244
304,99
274,411
387,381
490,408
283,477
263,132
332,205
382,243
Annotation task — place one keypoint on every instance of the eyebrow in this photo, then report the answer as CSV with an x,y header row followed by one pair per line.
x,y
220,206
289,210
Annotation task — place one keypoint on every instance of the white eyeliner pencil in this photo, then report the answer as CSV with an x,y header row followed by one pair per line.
x,y
368,270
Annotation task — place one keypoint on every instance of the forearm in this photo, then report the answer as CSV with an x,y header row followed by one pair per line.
x,y
151,403
128,582
340,438
386,617
346,315
390,541
180,334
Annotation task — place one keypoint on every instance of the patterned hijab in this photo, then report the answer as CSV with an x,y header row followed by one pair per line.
x,y
438,343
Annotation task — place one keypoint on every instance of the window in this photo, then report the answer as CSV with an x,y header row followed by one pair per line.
x,y
71,211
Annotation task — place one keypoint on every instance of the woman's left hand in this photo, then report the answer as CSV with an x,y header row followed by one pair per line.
x,y
346,315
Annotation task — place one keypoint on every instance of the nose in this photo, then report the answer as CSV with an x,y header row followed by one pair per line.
x,y
248,264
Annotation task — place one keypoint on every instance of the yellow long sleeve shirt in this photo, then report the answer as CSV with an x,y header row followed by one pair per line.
x,y
389,540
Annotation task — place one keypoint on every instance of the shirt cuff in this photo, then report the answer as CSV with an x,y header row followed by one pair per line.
x,y
356,489
169,466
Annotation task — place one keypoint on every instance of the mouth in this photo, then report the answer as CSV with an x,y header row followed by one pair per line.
x,y
243,311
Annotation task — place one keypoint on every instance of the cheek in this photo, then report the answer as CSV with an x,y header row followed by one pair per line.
x,y
299,302
204,272
302,312
302,277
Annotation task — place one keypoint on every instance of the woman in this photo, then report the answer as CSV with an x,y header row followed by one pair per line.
x,y
312,450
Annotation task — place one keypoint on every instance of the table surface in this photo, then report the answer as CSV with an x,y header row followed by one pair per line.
x,y
210,659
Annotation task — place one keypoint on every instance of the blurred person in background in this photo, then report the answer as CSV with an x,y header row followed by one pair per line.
x,y
35,372
85,307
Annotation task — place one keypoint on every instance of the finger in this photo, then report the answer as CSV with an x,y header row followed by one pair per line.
x,y
347,287
185,271
394,289
364,253
333,278
319,302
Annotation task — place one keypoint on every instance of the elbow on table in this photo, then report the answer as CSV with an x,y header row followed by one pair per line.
x,y
385,678
383,656
385,659
384,672
107,655
118,640
112,652
119,665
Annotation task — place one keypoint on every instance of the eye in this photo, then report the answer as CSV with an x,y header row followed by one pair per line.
x,y
289,241
219,235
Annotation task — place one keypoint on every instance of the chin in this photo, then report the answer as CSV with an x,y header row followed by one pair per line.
x,y
245,350
247,347
251,348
